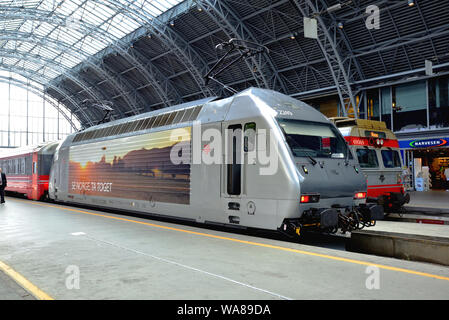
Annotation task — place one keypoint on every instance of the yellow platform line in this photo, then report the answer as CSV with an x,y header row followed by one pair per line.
x,y
309,253
24,283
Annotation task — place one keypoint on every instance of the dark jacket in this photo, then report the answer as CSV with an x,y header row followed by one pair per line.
x,y
5,182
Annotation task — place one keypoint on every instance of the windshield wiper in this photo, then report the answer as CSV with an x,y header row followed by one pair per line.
x,y
291,140
314,162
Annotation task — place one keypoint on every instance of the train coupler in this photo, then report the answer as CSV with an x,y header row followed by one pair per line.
x,y
362,216
371,212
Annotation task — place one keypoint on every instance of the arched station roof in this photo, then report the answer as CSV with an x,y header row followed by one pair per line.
x,y
139,55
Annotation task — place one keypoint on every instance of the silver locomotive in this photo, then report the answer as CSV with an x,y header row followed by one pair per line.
x,y
257,159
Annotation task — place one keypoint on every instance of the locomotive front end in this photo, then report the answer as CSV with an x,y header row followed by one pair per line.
x,y
332,189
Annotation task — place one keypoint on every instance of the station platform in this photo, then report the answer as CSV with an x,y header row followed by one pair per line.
x,y
433,201
431,230
428,207
67,252
410,241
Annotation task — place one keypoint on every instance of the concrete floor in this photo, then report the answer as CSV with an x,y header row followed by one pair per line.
x,y
76,253
10,290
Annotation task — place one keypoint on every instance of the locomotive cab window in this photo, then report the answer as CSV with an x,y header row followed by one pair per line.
x,y
314,139
367,158
391,159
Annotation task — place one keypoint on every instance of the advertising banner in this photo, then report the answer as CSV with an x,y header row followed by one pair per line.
x,y
137,167
424,143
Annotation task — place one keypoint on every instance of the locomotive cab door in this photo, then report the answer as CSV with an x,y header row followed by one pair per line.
x,y
232,171
233,161
239,155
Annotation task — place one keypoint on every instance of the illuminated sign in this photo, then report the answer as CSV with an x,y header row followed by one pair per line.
x,y
375,134
428,143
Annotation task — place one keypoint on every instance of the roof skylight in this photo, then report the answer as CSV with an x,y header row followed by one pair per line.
x,y
66,31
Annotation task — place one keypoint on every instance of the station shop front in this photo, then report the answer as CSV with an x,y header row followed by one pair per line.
x,y
427,162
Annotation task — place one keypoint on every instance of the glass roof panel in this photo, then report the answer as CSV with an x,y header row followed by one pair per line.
x,y
72,27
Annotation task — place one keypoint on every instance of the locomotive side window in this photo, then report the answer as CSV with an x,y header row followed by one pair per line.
x,y
391,159
249,140
367,158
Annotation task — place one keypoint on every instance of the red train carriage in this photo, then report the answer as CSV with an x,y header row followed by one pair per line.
x,y
377,150
27,169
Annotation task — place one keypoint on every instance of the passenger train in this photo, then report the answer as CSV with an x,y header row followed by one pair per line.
x,y
28,169
377,150
258,159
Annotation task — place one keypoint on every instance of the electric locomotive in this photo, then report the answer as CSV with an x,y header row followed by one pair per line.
x,y
257,159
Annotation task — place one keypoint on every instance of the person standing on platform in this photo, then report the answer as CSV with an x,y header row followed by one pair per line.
x,y
3,184
446,173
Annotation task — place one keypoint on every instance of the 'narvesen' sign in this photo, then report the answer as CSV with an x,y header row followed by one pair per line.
x,y
428,143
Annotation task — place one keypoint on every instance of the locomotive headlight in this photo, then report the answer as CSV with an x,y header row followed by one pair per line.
x,y
360,195
310,198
